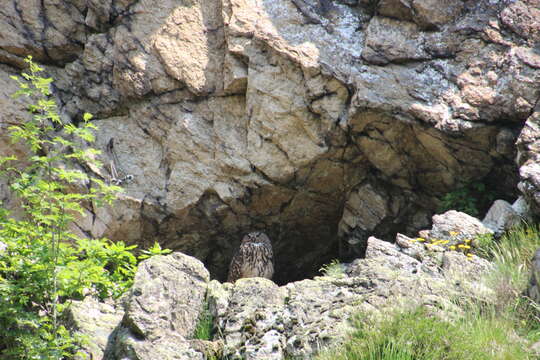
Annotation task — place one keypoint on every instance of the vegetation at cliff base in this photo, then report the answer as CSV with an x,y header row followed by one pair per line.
x,y
419,335
502,330
44,265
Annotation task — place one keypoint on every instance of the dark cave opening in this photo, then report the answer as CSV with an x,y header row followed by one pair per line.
x,y
305,246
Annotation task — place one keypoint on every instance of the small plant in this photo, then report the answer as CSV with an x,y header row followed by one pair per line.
x,y
333,269
470,199
153,251
205,325
457,243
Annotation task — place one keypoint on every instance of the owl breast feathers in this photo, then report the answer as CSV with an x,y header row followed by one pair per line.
x,y
254,258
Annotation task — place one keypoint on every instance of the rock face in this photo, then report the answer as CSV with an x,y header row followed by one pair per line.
x,y
310,120
256,319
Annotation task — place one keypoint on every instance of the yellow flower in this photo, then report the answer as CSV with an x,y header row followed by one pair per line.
x,y
467,240
420,239
452,247
453,233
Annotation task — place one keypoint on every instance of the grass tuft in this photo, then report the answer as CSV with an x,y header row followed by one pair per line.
x,y
205,325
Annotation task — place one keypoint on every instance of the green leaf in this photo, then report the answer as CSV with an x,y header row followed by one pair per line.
x,y
87,117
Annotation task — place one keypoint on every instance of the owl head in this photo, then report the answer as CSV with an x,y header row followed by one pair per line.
x,y
256,237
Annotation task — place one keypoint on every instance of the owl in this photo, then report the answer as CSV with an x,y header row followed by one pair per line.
x,y
254,258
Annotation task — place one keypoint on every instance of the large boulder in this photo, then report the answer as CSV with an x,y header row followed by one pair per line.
x,y
502,216
456,227
96,322
162,310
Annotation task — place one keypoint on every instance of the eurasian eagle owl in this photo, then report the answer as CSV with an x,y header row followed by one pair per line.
x,y
254,258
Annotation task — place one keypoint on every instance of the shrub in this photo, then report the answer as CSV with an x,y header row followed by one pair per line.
x,y
43,265
471,198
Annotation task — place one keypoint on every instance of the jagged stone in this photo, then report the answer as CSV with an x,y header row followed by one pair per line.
x,y
256,319
456,227
162,310
501,216
263,321
95,321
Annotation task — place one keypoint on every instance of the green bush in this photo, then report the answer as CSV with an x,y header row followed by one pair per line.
x,y
43,265
471,198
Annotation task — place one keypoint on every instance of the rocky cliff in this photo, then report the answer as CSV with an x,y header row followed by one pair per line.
x,y
313,120
255,319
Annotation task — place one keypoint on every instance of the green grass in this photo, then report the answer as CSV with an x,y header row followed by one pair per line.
x,y
205,325
503,330
418,335
512,255
333,269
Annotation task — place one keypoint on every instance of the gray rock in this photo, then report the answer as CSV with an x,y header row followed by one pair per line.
x,y
96,322
456,227
162,309
533,290
259,320
523,209
501,216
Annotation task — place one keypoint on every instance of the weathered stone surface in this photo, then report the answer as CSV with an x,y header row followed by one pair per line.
x,y
96,322
501,216
13,113
426,13
528,145
523,18
456,226
50,31
389,40
163,294
259,320
162,310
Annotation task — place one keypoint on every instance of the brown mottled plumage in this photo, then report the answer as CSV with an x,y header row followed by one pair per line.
x,y
254,258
